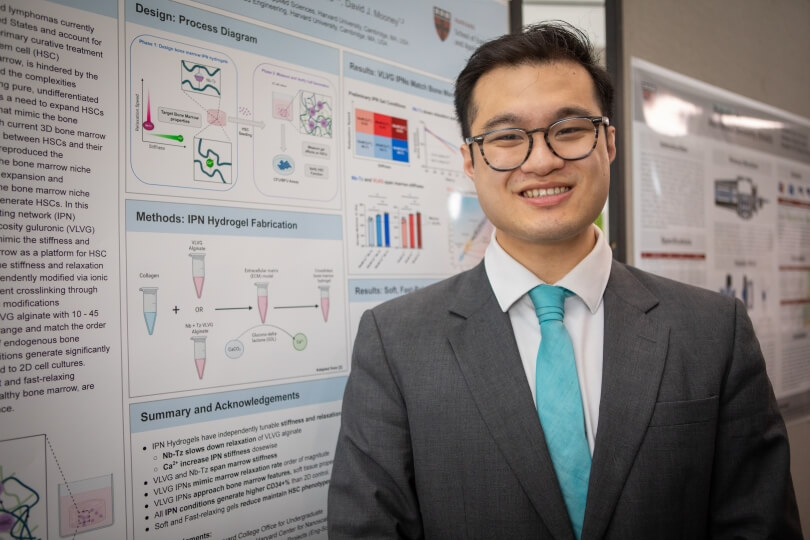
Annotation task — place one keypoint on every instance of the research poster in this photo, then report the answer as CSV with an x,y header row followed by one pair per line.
x,y
198,200
721,199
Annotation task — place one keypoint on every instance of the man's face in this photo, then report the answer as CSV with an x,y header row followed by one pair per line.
x,y
526,216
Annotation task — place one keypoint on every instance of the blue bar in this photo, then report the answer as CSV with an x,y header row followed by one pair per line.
x,y
379,231
387,231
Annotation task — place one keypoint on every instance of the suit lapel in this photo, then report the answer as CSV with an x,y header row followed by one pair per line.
x,y
633,363
488,358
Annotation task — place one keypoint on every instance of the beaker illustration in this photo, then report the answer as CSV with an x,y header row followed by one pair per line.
x,y
324,301
261,298
198,271
199,355
149,307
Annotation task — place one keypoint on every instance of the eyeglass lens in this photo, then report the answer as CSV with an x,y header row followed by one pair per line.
x,y
570,139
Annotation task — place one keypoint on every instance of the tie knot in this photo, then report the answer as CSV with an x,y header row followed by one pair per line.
x,y
549,302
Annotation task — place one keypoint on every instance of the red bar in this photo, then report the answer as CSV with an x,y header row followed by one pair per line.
x,y
419,230
791,202
651,255
796,302
410,221
404,233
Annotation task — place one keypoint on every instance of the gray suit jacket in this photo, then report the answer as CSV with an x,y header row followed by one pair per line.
x,y
440,437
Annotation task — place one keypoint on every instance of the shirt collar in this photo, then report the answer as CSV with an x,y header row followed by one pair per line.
x,y
511,280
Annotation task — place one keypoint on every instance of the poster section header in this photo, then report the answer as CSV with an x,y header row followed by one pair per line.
x,y
380,290
144,216
417,33
670,105
388,76
209,407
196,23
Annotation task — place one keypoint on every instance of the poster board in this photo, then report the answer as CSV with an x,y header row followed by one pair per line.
x,y
197,202
721,200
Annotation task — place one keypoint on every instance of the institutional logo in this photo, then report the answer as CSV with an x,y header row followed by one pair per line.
x,y
441,20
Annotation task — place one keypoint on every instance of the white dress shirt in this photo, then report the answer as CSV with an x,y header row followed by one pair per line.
x,y
584,316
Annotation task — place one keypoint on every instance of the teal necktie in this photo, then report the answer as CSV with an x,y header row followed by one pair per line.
x,y
559,402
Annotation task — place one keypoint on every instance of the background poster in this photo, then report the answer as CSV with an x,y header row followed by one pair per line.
x,y
197,202
722,200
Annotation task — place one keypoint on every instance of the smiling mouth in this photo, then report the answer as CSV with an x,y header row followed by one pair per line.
x,y
543,192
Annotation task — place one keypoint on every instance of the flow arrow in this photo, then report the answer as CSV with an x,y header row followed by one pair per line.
x,y
244,121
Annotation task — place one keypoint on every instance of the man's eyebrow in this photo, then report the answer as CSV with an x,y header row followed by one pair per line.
x,y
565,112
501,120
512,120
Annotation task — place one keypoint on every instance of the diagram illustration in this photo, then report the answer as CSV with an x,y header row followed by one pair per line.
x,y
738,194
198,271
392,232
149,307
183,115
269,329
381,136
380,227
746,291
295,154
22,489
85,505
250,315
435,147
470,231
16,502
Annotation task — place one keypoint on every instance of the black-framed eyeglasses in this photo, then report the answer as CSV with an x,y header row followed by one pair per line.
x,y
571,139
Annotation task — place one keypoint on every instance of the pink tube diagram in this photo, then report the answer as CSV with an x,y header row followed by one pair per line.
x,y
199,355
261,299
198,271
324,302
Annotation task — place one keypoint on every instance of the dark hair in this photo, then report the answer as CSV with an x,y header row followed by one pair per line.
x,y
538,44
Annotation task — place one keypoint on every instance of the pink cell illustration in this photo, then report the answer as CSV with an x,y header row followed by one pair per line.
x,y
282,107
217,117
86,505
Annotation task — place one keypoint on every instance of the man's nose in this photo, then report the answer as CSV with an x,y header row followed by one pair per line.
x,y
542,160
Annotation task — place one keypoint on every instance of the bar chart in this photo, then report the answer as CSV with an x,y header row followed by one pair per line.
x,y
388,228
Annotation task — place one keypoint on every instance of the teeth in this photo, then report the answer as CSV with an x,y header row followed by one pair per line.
x,y
544,192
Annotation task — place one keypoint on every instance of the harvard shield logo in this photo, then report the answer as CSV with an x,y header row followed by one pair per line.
x,y
441,19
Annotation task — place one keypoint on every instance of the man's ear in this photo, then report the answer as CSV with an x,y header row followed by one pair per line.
x,y
611,142
466,154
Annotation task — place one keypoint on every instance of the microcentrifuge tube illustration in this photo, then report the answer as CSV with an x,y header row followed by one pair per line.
x,y
261,298
324,301
198,271
199,354
149,307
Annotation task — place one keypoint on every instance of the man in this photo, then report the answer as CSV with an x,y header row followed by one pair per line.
x,y
444,430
